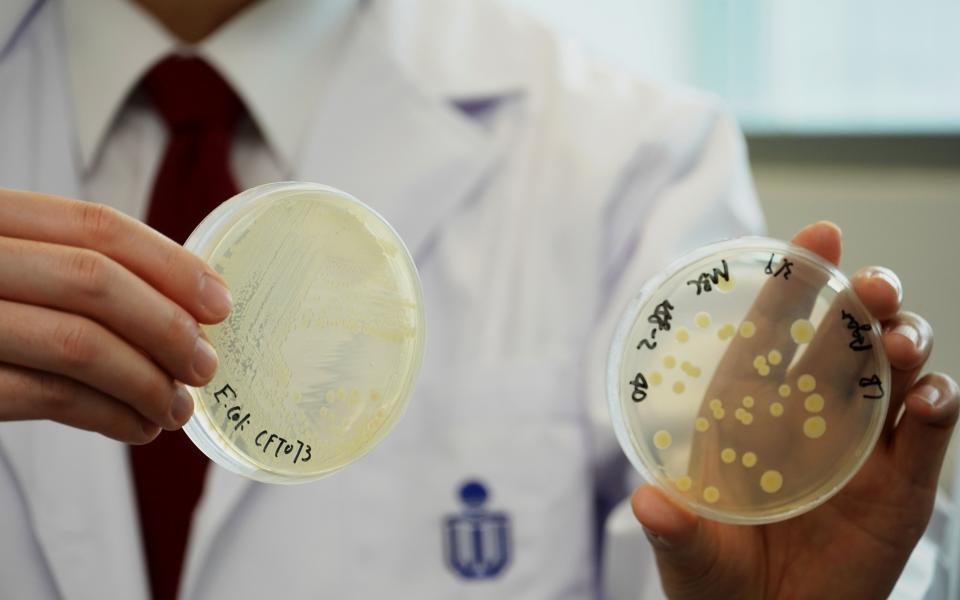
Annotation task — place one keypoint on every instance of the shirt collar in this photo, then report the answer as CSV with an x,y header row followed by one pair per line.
x,y
276,54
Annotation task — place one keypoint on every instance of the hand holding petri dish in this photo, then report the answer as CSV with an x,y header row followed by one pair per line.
x,y
321,351
748,381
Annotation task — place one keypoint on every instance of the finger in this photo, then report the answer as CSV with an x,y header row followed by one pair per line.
x,y
923,434
88,283
28,394
172,270
880,291
789,297
46,340
908,342
686,552
823,239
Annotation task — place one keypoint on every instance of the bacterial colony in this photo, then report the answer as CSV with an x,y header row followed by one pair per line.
x,y
748,383
322,348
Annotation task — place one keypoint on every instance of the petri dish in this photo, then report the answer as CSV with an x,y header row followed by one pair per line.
x,y
322,349
748,381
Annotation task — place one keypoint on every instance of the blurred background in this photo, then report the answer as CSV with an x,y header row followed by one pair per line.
x,y
851,110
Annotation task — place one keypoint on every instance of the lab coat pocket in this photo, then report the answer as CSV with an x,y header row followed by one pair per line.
x,y
518,429
498,451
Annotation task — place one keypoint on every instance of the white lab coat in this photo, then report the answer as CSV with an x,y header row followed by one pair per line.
x,y
536,192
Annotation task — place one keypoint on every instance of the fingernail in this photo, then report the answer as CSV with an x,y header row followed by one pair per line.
x,y
908,331
215,297
887,275
929,393
205,359
656,539
182,406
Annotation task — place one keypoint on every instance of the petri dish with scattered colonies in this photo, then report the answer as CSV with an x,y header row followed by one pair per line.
x,y
748,381
322,349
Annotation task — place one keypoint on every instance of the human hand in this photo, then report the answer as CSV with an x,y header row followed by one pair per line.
x,y
856,544
99,318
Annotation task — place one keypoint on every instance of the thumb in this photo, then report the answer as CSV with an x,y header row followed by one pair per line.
x,y
686,546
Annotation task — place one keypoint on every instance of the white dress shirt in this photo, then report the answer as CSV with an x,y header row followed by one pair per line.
x,y
121,138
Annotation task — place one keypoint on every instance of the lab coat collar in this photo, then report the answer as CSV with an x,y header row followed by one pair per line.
x,y
411,155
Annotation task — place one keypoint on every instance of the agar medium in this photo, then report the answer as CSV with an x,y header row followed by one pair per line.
x,y
748,381
324,343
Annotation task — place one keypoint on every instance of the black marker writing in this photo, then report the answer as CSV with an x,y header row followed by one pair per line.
x,y
224,394
858,343
784,267
264,441
705,281
661,318
639,384
874,381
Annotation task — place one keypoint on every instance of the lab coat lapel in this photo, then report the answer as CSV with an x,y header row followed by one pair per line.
x,y
77,483
82,506
380,136
410,156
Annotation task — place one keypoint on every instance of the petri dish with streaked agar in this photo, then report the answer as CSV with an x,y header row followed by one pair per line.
x,y
748,381
322,349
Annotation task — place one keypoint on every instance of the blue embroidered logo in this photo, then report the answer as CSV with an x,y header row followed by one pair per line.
x,y
476,541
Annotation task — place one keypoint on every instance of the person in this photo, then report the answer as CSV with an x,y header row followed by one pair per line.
x,y
536,190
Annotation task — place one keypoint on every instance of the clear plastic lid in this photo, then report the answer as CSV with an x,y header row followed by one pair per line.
x,y
748,381
321,351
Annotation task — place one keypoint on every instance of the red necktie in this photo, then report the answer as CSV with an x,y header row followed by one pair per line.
x,y
200,111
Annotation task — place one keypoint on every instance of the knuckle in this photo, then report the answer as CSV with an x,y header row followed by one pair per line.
x,y
75,344
181,330
57,394
98,222
142,434
170,262
124,426
88,273
155,398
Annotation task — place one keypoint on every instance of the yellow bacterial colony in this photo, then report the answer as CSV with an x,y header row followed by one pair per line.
x,y
747,414
771,481
806,383
813,403
662,440
814,427
702,319
802,331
